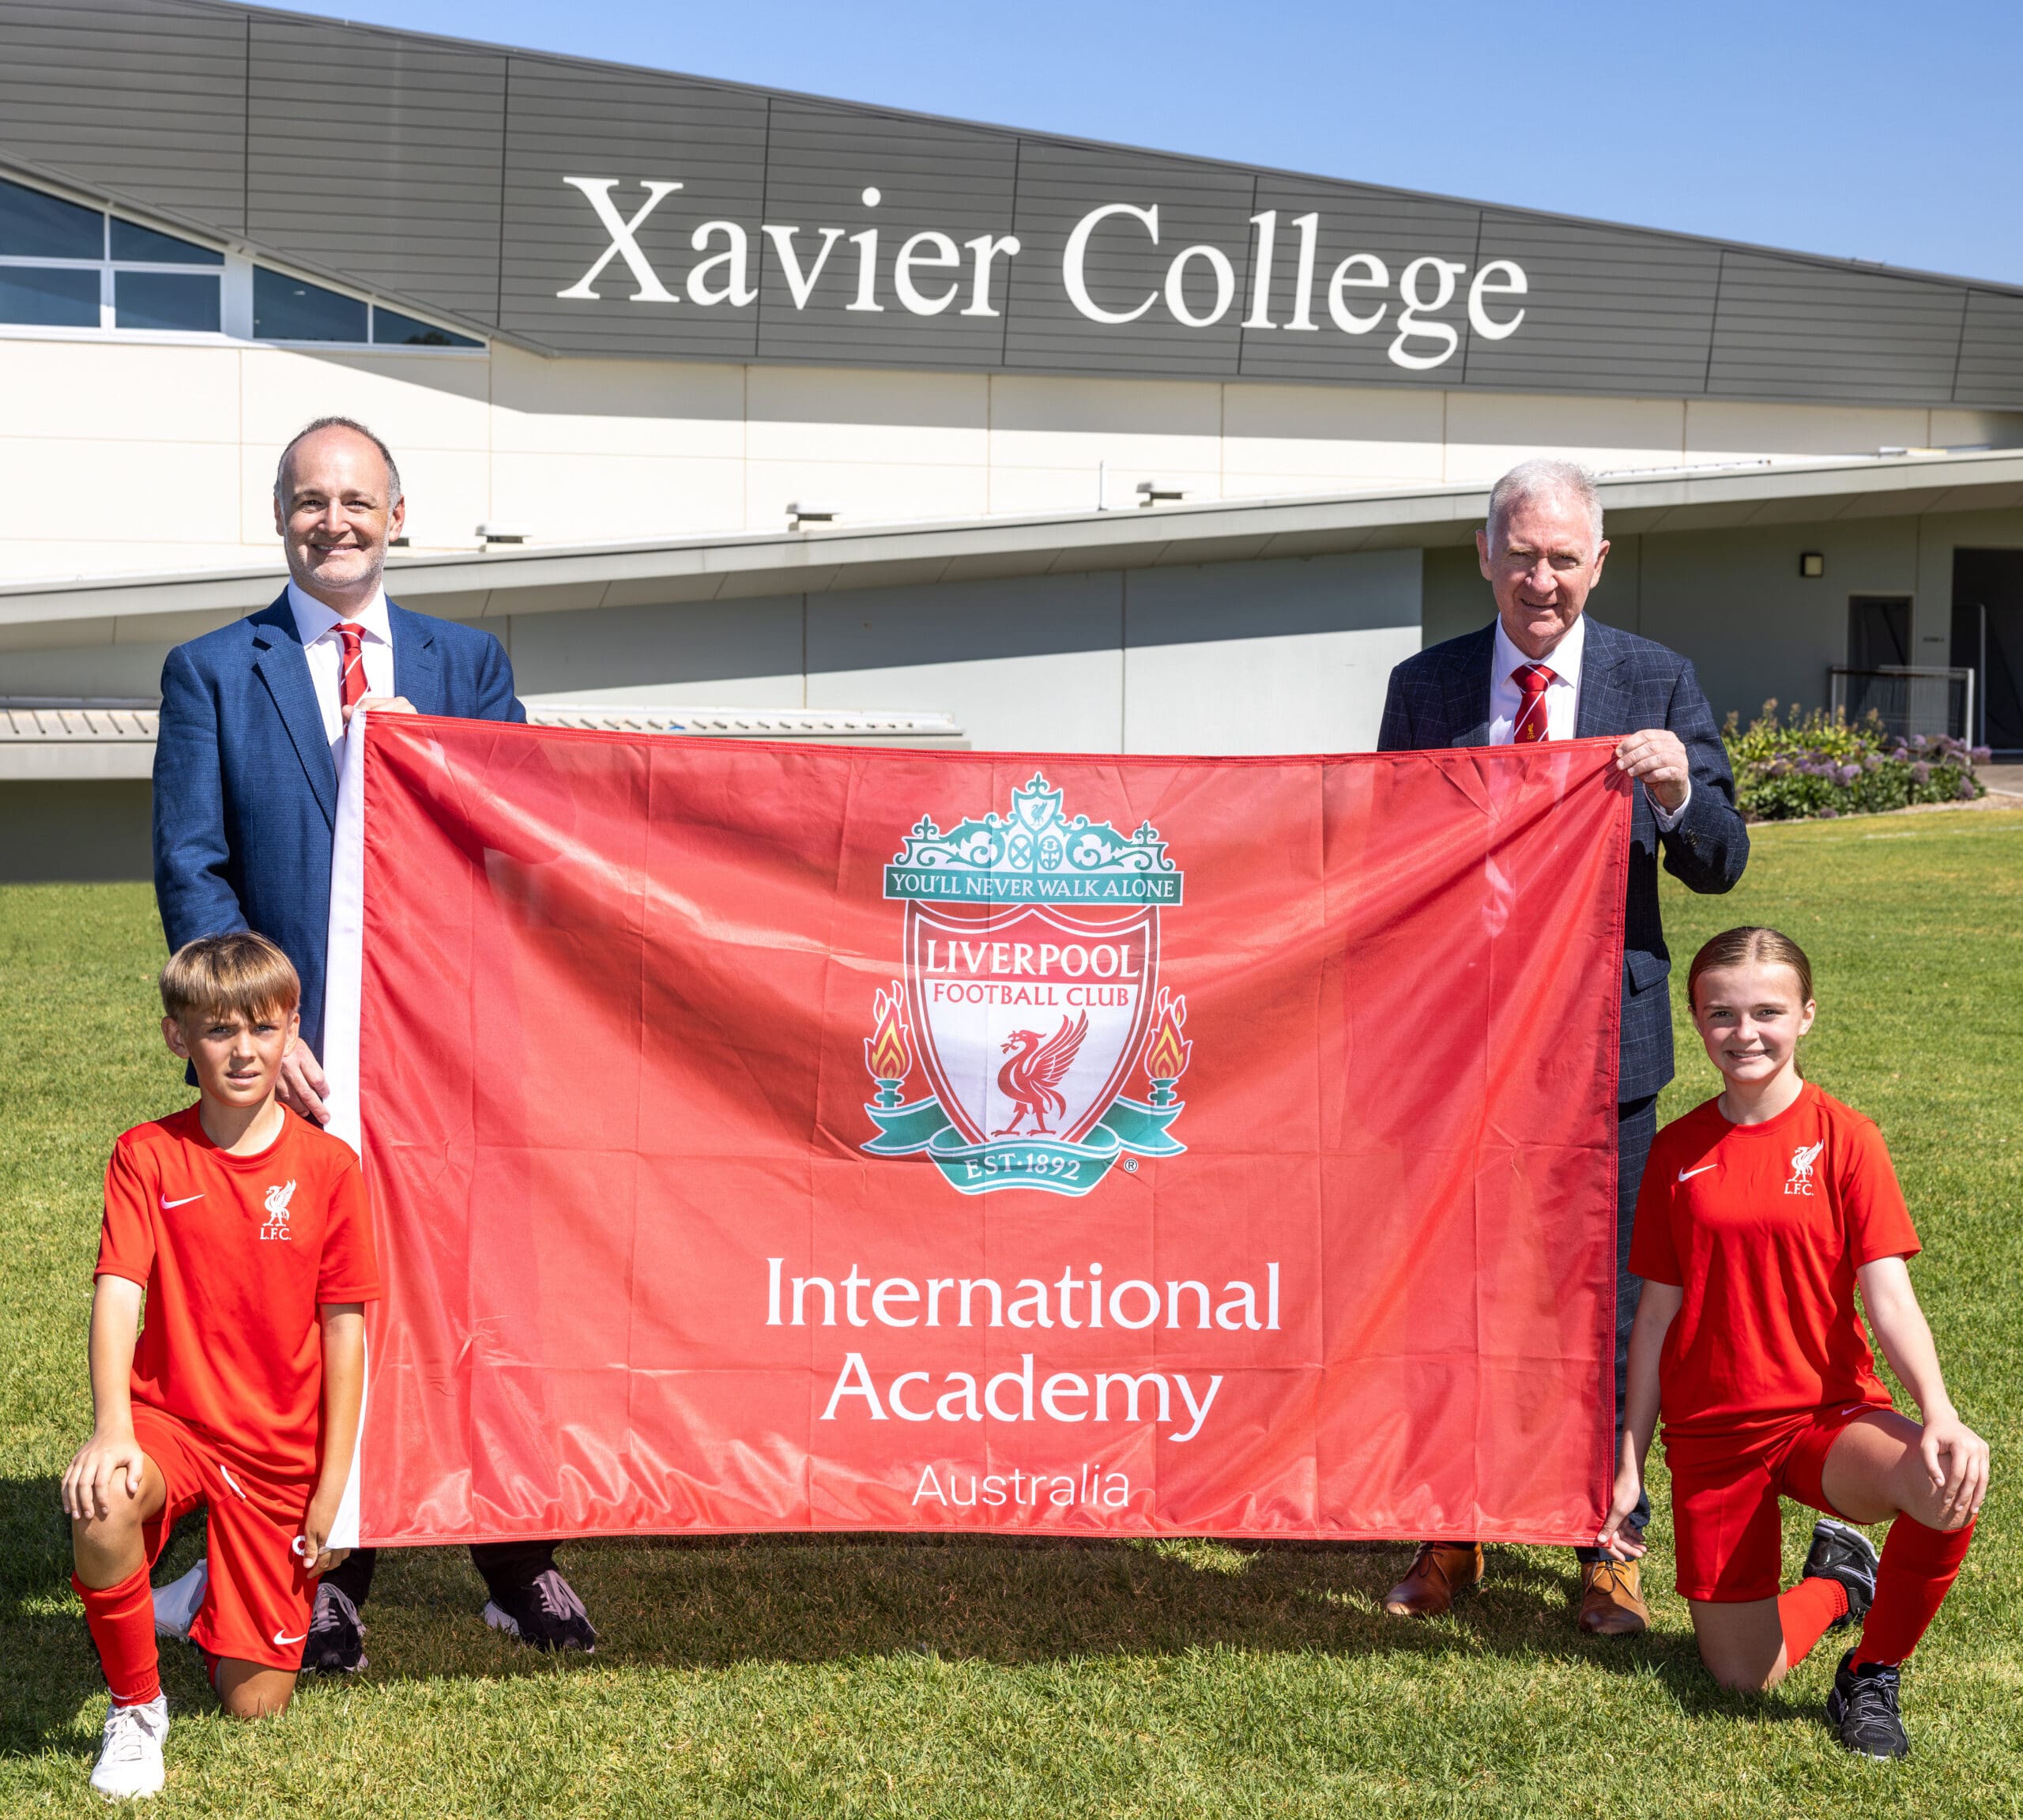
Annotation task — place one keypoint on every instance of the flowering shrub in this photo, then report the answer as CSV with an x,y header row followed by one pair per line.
x,y
1820,764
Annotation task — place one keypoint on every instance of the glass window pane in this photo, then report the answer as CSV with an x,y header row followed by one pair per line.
x,y
144,246
287,309
46,227
164,300
63,298
391,329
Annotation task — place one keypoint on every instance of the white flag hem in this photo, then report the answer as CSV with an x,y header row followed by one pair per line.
x,y
344,966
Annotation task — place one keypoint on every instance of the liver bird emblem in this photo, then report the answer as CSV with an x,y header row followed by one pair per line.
x,y
1803,1159
1031,1078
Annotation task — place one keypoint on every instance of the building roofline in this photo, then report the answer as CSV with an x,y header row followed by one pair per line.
x,y
492,47
743,565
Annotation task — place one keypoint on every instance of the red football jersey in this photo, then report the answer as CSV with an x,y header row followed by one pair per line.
x,y
235,1253
1764,1227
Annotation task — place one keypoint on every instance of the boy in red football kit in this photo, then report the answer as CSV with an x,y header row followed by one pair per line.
x,y
1762,1212
245,1228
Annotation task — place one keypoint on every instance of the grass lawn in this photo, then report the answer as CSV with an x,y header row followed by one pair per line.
x,y
993,1678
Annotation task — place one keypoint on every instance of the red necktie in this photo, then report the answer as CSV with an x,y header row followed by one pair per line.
x,y
351,690
1531,680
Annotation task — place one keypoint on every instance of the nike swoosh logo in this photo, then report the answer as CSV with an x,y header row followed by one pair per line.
x,y
167,1204
281,1642
1685,1175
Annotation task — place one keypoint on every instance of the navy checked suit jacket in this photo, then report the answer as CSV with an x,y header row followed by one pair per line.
x,y
1440,698
246,791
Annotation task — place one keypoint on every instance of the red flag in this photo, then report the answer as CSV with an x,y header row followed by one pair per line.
x,y
766,1138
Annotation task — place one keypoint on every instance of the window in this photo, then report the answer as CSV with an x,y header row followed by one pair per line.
x,y
63,265
391,329
57,298
286,309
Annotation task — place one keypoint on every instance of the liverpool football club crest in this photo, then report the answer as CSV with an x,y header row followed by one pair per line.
x,y
1031,1001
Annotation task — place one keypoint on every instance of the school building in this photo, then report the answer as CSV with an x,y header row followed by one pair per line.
x,y
735,413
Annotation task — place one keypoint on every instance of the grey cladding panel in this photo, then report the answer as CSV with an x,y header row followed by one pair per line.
x,y
567,121
434,173
1124,271
335,138
931,178
1992,351
1605,311
1787,329
1392,230
148,98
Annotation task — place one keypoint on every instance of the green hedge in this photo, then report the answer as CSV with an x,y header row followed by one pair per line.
x,y
1818,764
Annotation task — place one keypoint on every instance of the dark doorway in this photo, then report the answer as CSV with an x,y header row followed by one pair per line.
x,y
1879,631
1987,638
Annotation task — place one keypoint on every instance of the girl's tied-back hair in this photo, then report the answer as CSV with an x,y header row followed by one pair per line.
x,y
1743,947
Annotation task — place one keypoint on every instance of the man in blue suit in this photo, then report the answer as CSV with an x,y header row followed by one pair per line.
x,y
1540,670
253,720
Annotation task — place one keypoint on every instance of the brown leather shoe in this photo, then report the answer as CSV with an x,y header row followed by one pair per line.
x,y
1438,1571
1611,1604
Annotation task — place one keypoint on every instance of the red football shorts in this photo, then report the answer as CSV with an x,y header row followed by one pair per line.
x,y
257,1606
1727,1532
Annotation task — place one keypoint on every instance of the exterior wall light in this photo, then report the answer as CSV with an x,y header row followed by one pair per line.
x,y
1159,493
803,513
1812,565
490,534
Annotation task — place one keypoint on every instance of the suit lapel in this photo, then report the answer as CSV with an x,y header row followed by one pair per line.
x,y
1466,709
277,656
1605,705
417,664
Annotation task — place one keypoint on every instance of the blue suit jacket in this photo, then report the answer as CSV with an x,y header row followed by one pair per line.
x,y
246,791
1440,698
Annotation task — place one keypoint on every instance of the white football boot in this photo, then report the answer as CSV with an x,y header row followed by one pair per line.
x,y
130,1755
176,1604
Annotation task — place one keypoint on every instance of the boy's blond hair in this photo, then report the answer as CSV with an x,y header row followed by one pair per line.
x,y
244,973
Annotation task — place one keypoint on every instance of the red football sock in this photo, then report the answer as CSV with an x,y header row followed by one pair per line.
x,y
122,1624
1806,1613
1917,1569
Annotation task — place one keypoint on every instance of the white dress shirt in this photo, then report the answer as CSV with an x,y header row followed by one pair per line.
x,y
1562,693
317,626
1562,698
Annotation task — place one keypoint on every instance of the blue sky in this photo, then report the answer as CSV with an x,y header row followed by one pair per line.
x,y
1859,130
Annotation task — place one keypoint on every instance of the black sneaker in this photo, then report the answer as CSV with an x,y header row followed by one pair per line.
x,y
1841,1552
1863,1707
336,1635
545,1613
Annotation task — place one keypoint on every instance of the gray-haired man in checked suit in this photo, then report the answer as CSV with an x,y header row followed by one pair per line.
x,y
1540,670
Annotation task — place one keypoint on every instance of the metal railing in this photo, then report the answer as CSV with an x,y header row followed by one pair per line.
x,y
1907,698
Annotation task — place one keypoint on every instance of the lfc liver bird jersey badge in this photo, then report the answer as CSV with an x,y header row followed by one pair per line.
x,y
1030,1002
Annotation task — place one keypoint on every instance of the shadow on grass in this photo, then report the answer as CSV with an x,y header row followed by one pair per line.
x,y
718,1603
48,1670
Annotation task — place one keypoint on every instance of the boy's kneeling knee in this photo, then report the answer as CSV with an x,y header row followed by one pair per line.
x,y
247,1690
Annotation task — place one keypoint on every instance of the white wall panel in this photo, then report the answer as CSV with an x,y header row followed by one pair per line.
x,y
119,392
1276,657
1331,433
616,407
559,498
412,400
1489,433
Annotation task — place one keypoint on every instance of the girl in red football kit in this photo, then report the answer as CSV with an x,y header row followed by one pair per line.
x,y
1762,1214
